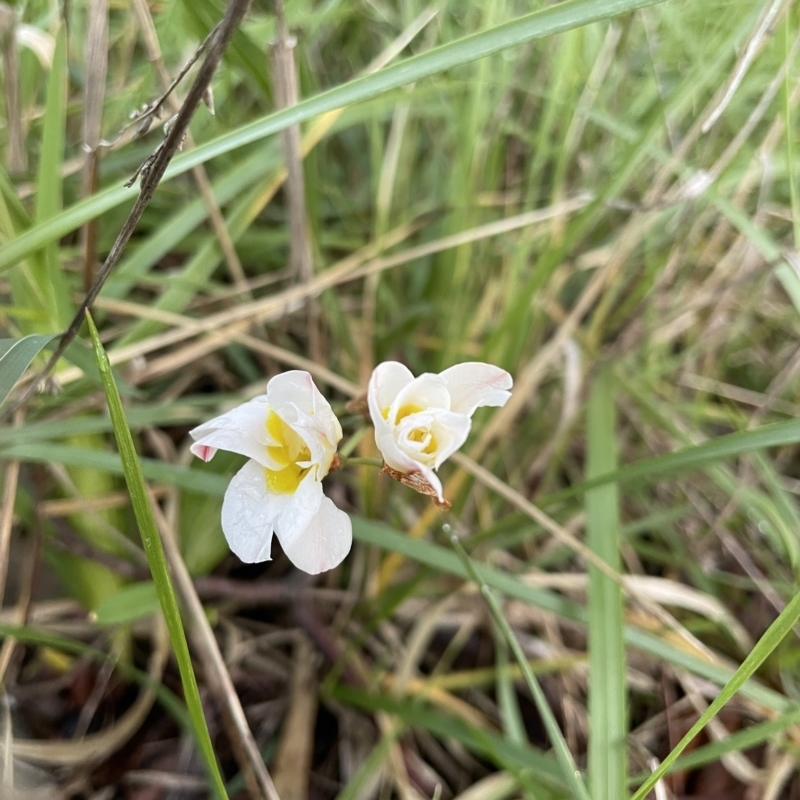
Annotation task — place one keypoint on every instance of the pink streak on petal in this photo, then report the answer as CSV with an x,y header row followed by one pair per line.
x,y
203,451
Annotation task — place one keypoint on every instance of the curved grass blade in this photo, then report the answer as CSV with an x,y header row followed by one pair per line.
x,y
16,356
538,25
766,645
157,560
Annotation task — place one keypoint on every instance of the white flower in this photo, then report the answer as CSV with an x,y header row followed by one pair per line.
x,y
290,436
419,422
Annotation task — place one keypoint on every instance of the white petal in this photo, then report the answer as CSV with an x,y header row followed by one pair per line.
x,y
392,454
425,392
386,382
241,430
296,400
450,431
290,391
323,543
249,512
300,507
433,480
474,384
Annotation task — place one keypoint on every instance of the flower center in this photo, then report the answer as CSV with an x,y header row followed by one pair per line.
x,y
288,452
425,438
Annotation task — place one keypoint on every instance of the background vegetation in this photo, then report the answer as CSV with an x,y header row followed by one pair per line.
x,y
600,196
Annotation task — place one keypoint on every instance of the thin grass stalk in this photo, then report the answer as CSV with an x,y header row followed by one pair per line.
x,y
570,769
157,560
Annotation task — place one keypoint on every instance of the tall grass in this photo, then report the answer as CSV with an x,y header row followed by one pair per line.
x,y
645,473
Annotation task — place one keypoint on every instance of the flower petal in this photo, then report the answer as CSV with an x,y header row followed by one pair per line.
x,y
474,384
295,398
423,393
386,382
391,452
300,508
433,480
241,430
323,543
249,512
450,431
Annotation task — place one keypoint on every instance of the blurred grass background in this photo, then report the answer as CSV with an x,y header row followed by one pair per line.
x,y
610,212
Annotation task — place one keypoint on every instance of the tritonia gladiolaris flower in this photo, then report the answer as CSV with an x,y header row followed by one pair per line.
x,y
420,422
290,435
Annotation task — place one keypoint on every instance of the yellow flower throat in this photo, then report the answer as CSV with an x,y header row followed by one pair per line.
x,y
418,434
290,449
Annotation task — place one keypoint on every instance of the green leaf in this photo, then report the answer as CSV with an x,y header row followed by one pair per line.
x,y
128,604
156,558
538,25
607,697
16,356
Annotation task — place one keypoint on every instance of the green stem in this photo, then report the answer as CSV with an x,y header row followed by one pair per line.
x,y
352,461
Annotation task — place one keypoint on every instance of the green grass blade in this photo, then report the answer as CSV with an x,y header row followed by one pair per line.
x,y
569,768
157,560
607,700
154,470
47,268
538,25
16,356
693,457
766,645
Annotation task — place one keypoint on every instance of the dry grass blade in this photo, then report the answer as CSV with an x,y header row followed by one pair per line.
x,y
294,757
96,68
7,516
232,323
768,19
565,537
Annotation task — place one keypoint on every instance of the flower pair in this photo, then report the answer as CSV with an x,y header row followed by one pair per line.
x,y
290,435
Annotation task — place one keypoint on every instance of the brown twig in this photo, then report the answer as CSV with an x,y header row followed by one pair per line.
x,y
151,175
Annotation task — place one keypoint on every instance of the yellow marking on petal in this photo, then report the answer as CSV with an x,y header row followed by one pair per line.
x,y
289,450
407,410
286,480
